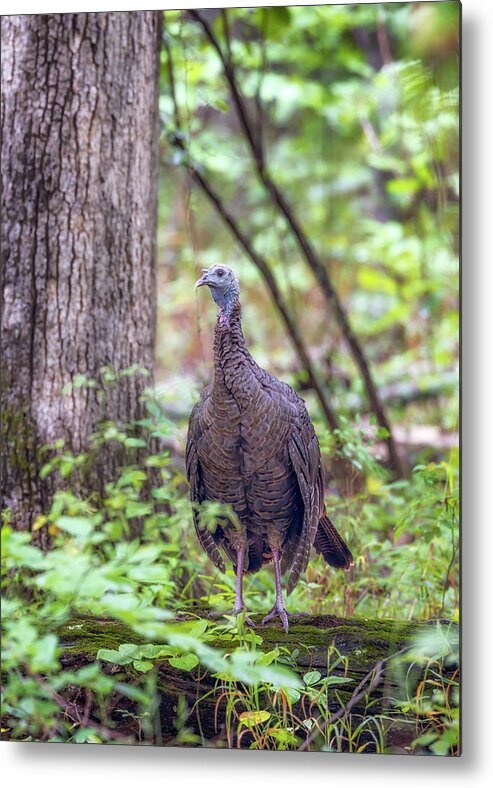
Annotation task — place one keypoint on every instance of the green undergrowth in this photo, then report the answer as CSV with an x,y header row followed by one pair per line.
x,y
104,632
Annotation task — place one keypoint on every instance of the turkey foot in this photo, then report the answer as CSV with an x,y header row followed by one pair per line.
x,y
236,612
278,609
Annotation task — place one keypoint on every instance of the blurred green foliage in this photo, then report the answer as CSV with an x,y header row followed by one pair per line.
x,y
358,111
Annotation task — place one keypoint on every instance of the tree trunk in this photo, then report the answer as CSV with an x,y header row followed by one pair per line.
x,y
79,167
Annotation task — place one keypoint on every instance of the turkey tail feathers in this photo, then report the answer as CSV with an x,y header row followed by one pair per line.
x,y
329,544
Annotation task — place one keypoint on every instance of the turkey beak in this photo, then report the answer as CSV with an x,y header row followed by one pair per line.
x,y
203,279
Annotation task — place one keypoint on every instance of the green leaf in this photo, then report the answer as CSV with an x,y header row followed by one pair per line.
x,y
76,526
45,654
152,651
312,677
220,105
330,681
143,666
293,694
269,657
110,655
160,493
273,21
250,719
426,739
135,443
375,280
66,469
46,470
406,186
137,509
88,735
193,628
185,662
129,649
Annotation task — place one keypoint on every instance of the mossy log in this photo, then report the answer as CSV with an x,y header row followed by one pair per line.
x,y
365,645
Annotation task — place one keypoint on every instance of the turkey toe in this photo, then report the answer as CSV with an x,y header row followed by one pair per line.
x,y
277,610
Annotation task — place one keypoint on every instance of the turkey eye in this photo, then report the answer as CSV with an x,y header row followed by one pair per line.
x,y
220,273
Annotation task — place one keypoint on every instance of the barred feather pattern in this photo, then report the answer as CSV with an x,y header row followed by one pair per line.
x,y
251,444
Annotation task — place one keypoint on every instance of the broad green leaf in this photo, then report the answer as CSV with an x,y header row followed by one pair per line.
x,y
76,526
111,655
143,666
185,662
312,677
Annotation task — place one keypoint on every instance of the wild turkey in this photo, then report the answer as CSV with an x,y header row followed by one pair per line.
x,y
251,444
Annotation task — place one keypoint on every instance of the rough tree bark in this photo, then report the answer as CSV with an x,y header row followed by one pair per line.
x,y
79,167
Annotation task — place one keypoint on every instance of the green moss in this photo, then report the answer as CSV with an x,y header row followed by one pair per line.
x,y
362,641
19,459
85,636
19,451
326,630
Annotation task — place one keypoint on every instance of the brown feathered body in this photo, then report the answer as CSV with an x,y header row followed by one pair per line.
x,y
251,444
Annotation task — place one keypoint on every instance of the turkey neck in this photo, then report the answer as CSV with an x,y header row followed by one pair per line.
x,y
233,365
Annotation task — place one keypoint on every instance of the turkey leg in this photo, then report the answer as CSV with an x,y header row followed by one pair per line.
x,y
239,605
278,609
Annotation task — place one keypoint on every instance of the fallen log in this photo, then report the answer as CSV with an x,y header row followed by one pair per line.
x,y
363,652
